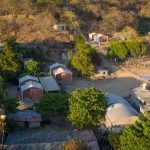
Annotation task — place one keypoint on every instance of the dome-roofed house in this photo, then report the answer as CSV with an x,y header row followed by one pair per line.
x,y
119,113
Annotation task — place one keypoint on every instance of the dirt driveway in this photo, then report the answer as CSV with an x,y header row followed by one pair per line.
x,y
122,84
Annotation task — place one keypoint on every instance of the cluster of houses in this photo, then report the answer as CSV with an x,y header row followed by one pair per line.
x,y
34,87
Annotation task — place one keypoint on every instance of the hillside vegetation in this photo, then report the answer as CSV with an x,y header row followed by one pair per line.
x,y
30,20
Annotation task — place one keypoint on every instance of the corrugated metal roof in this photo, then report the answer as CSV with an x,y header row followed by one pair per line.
x,y
31,84
57,65
119,108
49,84
26,115
143,95
43,139
61,70
28,77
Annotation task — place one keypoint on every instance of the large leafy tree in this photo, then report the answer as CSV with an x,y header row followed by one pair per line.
x,y
87,107
118,49
136,47
136,136
52,104
9,57
32,67
81,59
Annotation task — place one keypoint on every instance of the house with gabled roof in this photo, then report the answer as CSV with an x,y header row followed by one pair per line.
x,y
27,78
55,66
62,75
31,90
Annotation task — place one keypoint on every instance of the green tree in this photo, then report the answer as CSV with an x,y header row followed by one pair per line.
x,y
83,64
3,89
52,104
10,59
32,67
136,47
118,49
136,136
86,107
81,59
9,105
114,140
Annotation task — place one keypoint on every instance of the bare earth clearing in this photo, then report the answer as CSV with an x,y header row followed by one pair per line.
x,y
121,85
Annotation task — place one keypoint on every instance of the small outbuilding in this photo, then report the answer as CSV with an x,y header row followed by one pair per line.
x,y
92,36
27,78
62,75
27,118
31,90
49,84
55,66
60,27
101,72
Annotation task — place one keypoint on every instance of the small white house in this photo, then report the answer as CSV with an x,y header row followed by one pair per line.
x,y
60,27
97,37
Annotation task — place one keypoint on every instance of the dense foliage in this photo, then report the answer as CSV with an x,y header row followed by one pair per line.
x,y
122,49
32,67
9,57
135,137
75,145
52,104
81,59
86,107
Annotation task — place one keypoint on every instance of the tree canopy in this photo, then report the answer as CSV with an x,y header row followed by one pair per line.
x,y
86,107
122,49
32,67
81,59
10,58
135,137
9,104
52,104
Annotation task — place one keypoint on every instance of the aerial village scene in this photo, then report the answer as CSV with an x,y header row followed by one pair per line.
x,y
74,74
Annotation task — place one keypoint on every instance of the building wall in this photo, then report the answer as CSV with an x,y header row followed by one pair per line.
x,y
104,38
64,77
33,93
